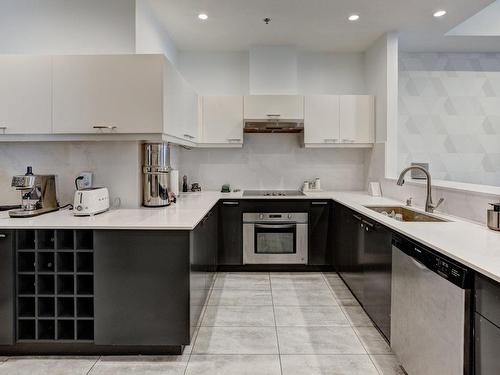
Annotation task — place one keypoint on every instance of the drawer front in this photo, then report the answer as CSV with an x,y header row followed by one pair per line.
x,y
487,342
487,295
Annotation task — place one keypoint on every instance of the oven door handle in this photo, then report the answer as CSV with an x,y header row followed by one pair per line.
x,y
275,226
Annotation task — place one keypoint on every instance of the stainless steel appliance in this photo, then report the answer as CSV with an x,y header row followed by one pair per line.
x,y
156,173
494,217
272,193
38,194
275,238
430,311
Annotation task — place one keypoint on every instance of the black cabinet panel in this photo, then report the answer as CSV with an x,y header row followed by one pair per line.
x,y
7,287
319,221
487,298
203,264
141,287
230,233
362,255
487,342
377,261
348,248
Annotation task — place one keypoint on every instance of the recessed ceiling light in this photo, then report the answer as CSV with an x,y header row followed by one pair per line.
x,y
353,17
439,13
202,16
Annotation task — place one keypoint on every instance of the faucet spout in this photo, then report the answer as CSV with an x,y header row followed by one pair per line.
x,y
429,206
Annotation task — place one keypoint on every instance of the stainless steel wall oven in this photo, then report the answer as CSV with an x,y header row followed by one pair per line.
x,y
275,238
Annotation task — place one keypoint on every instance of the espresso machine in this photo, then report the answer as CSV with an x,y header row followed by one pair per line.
x,y
156,174
38,194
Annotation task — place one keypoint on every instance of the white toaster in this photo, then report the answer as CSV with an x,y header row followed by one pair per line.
x,y
91,201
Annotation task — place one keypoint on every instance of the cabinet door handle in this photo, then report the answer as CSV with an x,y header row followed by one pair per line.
x,y
357,217
319,203
330,140
101,127
368,224
188,136
3,235
234,139
347,140
231,203
273,115
3,129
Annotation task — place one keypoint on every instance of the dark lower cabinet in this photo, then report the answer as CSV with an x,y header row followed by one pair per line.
x,y
203,250
348,248
377,262
142,286
486,326
319,221
362,251
230,231
7,292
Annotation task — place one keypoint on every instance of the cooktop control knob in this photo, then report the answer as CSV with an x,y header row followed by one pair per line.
x,y
261,216
289,216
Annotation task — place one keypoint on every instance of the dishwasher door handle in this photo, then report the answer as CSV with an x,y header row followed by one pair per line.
x,y
419,264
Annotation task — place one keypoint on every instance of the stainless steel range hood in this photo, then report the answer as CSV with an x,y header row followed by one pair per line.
x,y
273,126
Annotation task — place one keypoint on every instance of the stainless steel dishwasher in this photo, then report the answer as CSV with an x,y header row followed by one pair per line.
x,y
430,311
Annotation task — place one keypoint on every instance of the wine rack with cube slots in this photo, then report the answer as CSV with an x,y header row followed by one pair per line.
x,y
55,285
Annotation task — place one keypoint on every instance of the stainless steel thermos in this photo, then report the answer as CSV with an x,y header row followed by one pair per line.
x,y
494,217
156,173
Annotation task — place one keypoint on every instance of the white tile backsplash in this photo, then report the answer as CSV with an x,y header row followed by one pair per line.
x,y
115,165
274,161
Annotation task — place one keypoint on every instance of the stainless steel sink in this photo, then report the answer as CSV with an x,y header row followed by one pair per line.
x,y
405,214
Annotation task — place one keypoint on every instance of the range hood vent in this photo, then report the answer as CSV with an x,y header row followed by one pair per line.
x,y
274,126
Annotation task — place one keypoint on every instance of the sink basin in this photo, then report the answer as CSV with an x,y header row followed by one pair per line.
x,y
405,214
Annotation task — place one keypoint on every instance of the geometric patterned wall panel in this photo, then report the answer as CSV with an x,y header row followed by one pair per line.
x,y
449,115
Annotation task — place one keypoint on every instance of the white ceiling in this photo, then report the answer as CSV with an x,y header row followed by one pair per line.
x,y
319,25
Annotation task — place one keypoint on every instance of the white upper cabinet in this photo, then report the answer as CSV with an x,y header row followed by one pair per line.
x,y
25,95
342,120
222,120
180,103
321,119
119,94
357,113
258,107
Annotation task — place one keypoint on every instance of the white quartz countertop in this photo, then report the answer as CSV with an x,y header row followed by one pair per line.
x,y
471,244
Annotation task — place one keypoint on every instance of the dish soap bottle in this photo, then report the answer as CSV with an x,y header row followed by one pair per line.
x,y
184,184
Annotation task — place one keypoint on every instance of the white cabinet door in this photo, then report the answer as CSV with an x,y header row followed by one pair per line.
x,y
180,106
357,123
321,119
222,119
274,106
25,95
120,94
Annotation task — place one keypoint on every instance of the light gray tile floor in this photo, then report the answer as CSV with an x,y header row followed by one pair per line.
x,y
255,324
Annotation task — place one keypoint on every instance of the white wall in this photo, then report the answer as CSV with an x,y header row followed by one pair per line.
x,y
215,72
382,161
273,70
331,73
115,165
273,161
67,26
150,35
229,73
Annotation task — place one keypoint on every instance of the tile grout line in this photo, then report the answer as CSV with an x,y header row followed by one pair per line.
x,y
353,327
93,365
345,315
275,325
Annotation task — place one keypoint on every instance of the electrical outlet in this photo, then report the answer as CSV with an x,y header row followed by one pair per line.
x,y
86,182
